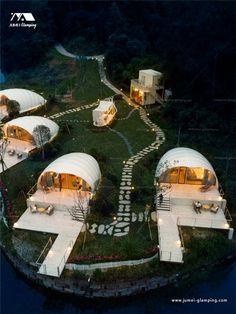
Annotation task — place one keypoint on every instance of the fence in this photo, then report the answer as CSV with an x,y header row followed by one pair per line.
x,y
108,265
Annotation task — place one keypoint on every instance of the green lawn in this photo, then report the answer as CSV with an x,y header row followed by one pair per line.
x,y
58,74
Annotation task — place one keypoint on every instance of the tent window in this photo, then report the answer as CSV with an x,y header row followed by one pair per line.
x,y
19,133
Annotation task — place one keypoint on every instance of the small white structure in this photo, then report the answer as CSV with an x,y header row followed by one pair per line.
x,y
187,195
104,113
147,89
67,183
27,100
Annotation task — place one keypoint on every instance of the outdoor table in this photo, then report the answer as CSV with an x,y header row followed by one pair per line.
x,y
41,209
206,206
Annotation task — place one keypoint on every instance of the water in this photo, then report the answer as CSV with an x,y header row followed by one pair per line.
x,y
18,296
2,77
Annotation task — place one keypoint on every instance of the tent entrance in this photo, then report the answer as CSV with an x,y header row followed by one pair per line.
x,y
63,181
20,134
185,175
182,175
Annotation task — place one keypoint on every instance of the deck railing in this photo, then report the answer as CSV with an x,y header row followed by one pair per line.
x,y
65,256
43,251
32,190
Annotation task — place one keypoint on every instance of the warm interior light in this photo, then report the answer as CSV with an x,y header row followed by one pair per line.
x,y
178,243
135,89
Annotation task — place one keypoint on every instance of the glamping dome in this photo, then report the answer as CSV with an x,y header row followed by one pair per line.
x,y
23,128
27,99
185,166
75,171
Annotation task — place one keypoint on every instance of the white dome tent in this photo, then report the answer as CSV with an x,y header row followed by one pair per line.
x,y
75,171
28,100
22,128
185,166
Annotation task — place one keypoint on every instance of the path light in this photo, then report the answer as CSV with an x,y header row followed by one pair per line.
x,y
220,198
102,81
148,114
132,188
68,249
15,225
50,253
123,161
114,218
159,220
31,198
227,226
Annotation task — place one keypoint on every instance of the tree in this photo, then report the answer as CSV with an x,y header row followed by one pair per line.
x,y
13,108
80,210
42,135
3,147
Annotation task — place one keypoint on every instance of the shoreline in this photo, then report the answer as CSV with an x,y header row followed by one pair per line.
x,y
113,290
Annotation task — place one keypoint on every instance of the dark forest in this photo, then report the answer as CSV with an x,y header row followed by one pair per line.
x,y
192,43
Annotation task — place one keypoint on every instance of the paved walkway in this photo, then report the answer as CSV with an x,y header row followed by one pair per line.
x,y
169,240
59,223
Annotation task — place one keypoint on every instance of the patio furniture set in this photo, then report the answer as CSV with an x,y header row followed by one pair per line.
x,y
213,208
47,210
12,152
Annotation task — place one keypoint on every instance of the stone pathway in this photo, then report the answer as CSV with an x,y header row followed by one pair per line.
x,y
73,110
121,226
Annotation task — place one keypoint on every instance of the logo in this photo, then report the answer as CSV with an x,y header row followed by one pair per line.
x,y
22,20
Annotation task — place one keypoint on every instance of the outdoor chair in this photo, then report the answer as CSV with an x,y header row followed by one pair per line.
x,y
197,207
214,208
11,152
49,210
33,209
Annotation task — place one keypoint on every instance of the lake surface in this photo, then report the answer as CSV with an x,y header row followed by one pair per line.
x,y
18,296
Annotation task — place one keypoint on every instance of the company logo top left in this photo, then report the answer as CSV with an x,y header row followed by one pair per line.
x,y
22,20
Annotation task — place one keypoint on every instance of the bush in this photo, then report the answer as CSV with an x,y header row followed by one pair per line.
x,y
98,275
103,203
13,108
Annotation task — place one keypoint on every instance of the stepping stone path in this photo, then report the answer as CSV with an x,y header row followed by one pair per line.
x,y
121,226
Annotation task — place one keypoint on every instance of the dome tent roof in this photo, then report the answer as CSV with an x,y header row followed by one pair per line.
x,y
78,164
28,123
182,157
27,99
